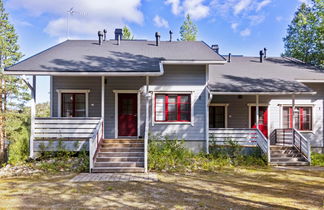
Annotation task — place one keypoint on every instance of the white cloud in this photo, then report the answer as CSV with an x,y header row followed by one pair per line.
x,y
160,22
279,18
90,17
245,32
256,19
195,8
241,5
262,4
234,26
308,2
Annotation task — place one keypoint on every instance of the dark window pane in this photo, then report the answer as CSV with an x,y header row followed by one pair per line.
x,y
185,116
80,106
185,107
67,105
217,116
172,116
185,99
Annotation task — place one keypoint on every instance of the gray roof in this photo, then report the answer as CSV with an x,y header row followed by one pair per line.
x,y
275,74
129,56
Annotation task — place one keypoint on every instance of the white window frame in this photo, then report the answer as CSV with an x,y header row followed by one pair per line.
x,y
192,116
225,114
138,92
298,105
59,98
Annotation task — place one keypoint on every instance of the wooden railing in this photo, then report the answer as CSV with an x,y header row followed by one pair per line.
x,y
292,137
76,128
241,136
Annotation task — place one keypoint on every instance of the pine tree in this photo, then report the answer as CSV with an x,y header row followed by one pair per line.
x,y
188,30
127,34
304,39
13,92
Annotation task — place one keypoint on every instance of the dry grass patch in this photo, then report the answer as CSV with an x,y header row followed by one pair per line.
x,y
228,188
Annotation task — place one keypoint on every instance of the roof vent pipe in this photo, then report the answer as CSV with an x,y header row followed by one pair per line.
x,y
261,56
215,48
229,57
100,35
265,53
170,32
105,34
157,38
118,40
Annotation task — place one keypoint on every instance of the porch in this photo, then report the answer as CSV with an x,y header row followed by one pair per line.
x,y
265,121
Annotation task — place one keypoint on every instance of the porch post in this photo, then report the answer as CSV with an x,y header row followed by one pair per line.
x,y
147,101
103,103
293,110
257,112
32,117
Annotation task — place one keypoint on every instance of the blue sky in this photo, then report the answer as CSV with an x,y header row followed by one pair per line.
x,y
237,26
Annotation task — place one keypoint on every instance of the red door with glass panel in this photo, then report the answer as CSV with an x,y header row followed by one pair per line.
x,y
263,119
127,114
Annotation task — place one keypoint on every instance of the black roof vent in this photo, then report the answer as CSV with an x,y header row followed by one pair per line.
x,y
229,57
105,35
265,53
261,56
118,34
170,32
157,38
215,48
100,35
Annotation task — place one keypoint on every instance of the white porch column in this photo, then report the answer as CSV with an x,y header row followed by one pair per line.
x,y
257,111
32,117
293,110
103,103
147,103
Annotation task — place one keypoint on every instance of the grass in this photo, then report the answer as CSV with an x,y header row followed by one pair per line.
x,y
237,188
317,159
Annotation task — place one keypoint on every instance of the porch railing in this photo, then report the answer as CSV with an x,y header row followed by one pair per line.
x,y
242,136
94,143
292,137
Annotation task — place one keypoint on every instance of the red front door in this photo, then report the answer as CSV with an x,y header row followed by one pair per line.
x,y
127,114
263,119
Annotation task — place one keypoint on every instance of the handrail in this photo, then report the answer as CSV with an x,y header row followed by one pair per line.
x,y
303,145
94,142
262,140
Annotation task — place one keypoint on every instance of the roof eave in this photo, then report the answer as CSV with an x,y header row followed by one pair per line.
x,y
264,93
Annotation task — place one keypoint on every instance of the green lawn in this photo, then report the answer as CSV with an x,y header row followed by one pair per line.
x,y
225,189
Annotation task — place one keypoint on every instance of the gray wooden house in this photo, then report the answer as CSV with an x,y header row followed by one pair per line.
x,y
107,96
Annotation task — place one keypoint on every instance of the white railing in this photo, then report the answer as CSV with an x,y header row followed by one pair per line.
x,y
302,144
241,136
94,142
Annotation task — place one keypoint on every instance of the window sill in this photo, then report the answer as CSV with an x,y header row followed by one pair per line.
x,y
172,123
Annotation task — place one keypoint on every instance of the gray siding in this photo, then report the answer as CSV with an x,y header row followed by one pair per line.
x,y
238,111
175,78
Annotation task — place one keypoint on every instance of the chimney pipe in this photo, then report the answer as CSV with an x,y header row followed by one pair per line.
x,y
118,35
100,35
118,40
261,56
229,57
170,32
105,34
157,38
265,53
215,48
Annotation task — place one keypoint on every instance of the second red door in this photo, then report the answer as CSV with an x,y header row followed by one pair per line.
x,y
127,114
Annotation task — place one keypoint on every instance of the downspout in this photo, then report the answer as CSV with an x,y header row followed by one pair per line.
x,y
146,133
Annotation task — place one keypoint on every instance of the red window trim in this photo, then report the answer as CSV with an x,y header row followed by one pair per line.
x,y
178,105
301,118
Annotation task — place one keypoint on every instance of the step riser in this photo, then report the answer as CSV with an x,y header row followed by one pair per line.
x,y
129,141
123,145
111,164
290,164
121,154
297,155
120,159
139,170
286,159
121,150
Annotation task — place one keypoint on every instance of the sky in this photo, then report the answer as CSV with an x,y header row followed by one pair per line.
x,y
240,27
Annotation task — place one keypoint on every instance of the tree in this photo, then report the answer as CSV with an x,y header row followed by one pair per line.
x,y
304,39
13,92
188,30
127,34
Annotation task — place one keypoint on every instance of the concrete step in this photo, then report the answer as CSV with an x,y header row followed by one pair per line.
x,y
120,154
123,141
118,170
121,149
120,159
290,163
119,164
109,145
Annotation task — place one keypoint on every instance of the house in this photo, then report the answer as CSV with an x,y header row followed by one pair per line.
x,y
107,96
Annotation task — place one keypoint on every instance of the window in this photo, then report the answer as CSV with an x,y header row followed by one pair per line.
x,y
172,108
302,115
217,116
73,105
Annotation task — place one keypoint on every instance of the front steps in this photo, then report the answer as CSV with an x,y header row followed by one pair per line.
x,y
286,156
120,156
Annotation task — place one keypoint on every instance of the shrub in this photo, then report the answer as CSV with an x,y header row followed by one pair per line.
x,y
317,159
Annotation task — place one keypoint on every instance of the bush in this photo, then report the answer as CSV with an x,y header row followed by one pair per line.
x,y
317,159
